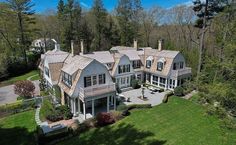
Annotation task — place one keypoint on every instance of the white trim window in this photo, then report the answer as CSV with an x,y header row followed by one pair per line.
x,y
123,68
148,63
155,80
102,79
87,81
162,82
67,79
47,71
160,66
94,80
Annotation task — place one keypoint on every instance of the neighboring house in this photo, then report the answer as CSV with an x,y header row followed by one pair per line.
x,y
41,44
89,80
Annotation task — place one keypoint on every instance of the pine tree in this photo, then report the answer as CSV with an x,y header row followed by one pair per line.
x,y
61,18
23,11
205,11
99,14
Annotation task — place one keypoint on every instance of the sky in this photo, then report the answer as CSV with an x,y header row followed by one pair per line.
x,y
42,5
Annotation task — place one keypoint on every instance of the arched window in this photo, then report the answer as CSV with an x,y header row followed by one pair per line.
x,y
160,64
149,62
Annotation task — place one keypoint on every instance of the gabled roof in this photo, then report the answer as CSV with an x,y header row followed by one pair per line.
x,y
163,53
132,54
101,56
55,56
75,63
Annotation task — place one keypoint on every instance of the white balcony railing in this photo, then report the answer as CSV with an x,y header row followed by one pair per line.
x,y
176,73
96,90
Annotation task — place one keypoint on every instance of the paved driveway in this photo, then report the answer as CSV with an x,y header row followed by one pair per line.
x,y
7,94
154,99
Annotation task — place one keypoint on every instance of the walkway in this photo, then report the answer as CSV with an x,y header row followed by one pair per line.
x,y
29,78
37,118
189,95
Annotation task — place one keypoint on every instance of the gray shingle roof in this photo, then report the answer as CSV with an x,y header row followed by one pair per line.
x,y
101,56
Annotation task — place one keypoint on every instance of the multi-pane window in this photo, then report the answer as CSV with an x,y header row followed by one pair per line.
x,y
47,71
160,66
148,63
136,64
87,81
102,79
155,80
162,82
122,81
123,68
67,79
94,80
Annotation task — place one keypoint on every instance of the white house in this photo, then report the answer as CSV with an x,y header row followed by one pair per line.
x,y
88,81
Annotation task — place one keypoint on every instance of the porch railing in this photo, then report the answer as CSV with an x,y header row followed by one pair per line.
x,y
176,73
97,90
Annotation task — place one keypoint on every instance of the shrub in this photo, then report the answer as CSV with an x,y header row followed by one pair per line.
x,y
24,88
135,84
139,106
178,91
117,115
90,123
65,111
122,107
166,97
104,119
126,113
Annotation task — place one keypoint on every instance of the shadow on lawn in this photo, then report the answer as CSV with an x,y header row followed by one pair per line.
x,y
16,136
123,134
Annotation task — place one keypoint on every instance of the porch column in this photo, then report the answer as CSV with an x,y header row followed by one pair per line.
x,y
166,84
84,110
158,82
78,105
62,97
176,83
114,102
71,105
93,107
108,105
74,107
151,78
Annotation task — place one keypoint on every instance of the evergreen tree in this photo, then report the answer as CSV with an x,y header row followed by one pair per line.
x,y
205,12
99,13
61,18
23,12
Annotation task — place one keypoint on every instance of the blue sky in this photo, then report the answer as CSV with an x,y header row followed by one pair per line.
x,y
42,5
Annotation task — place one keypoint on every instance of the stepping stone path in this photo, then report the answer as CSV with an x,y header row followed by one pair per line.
x,y
37,119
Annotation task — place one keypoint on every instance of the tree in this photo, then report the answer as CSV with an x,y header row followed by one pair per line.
x,y
99,14
61,18
23,11
24,88
205,12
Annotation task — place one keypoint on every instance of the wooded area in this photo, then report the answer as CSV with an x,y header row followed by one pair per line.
x,y
205,33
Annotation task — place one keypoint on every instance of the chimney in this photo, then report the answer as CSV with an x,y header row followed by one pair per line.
x,y
57,47
72,47
82,46
160,45
135,44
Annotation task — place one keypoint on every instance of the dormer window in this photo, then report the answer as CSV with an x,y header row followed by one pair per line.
x,y
149,62
181,66
160,66
47,71
67,79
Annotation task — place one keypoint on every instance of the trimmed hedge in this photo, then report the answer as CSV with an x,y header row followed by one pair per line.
x,y
104,118
179,91
166,97
135,84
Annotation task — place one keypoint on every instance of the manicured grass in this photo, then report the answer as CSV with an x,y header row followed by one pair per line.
x,y
34,73
178,122
18,129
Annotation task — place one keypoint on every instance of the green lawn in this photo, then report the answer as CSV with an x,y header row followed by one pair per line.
x,y
34,73
46,109
179,122
18,129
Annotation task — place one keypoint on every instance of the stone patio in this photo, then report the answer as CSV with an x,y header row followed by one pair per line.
x,y
152,98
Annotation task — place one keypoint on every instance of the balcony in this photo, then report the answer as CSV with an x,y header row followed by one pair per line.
x,y
180,72
96,90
